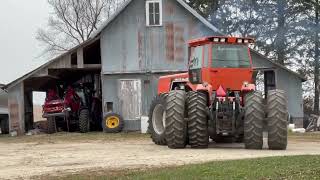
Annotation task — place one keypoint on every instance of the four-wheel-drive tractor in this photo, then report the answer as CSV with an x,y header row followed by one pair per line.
x,y
217,99
78,108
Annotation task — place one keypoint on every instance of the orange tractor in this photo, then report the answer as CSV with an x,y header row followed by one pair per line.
x,y
217,99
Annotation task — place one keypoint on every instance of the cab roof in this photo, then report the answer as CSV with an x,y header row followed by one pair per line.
x,y
220,40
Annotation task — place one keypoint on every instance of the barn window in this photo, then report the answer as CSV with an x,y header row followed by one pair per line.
x,y
154,13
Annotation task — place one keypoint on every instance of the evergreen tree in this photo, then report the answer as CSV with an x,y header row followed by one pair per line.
x,y
204,7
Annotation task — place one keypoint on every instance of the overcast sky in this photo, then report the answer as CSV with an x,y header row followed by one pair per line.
x,y
19,21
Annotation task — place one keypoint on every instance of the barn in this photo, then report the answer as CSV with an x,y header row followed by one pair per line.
x,y
140,42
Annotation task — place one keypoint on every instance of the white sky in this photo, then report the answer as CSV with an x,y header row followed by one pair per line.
x,y
19,50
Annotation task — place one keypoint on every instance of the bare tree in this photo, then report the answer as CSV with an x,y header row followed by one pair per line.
x,y
73,22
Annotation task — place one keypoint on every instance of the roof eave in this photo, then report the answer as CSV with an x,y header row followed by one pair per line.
x,y
303,79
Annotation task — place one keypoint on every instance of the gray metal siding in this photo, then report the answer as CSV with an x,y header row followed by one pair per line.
x,y
291,85
110,88
119,41
128,45
3,102
16,108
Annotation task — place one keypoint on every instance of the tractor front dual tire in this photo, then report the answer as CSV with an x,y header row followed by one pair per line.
x,y
51,125
157,115
84,121
196,105
112,123
176,125
277,120
253,122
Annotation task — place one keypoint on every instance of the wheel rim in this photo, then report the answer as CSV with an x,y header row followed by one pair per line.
x,y
158,119
112,122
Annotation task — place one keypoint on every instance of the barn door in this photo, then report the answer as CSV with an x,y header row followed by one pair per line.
x,y
269,81
130,98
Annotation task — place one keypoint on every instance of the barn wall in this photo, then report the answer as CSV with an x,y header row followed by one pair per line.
x,y
112,92
3,102
139,48
16,108
292,85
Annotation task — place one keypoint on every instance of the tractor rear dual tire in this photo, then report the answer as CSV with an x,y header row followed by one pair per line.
x,y
176,125
277,116
196,105
84,121
51,123
156,121
253,122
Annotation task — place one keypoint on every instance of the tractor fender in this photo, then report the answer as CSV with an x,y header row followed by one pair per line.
x,y
248,87
201,87
206,88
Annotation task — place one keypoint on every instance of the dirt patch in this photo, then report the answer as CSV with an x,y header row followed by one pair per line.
x,y
26,160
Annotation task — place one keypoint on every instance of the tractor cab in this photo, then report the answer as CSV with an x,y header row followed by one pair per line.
x,y
223,62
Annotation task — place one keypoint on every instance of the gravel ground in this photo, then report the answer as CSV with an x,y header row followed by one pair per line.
x,y
26,160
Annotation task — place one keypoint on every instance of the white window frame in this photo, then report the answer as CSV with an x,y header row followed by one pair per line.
x,y
148,15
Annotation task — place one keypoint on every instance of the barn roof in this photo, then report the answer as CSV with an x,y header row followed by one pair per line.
x,y
96,35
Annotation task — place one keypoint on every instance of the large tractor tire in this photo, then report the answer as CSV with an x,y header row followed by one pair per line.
x,y
112,123
253,122
176,125
197,119
52,128
277,112
84,121
157,116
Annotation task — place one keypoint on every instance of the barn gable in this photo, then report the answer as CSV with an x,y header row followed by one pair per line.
x,y
138,48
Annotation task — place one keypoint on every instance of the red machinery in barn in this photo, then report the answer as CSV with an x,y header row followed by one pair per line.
x,y
78,107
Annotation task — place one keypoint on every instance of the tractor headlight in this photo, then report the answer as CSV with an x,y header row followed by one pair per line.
x,y
246,83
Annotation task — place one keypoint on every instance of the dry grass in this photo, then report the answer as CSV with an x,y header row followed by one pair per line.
x,y
310,136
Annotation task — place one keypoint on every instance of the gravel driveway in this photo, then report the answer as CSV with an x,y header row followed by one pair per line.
x,y
25,160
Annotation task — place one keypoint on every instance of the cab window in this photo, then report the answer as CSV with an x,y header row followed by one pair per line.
x,y
196,57
230,56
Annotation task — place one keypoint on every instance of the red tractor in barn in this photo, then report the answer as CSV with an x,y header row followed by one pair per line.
x,y
78,108
217,99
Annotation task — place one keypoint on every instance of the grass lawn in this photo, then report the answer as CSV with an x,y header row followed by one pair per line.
x,y
294,167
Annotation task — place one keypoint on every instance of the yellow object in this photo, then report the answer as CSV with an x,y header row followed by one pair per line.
x,y
112,122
